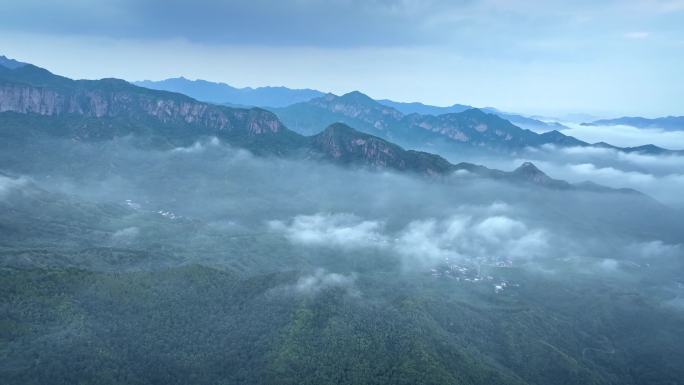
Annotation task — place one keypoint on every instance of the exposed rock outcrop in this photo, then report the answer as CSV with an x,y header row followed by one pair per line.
x,y
116,98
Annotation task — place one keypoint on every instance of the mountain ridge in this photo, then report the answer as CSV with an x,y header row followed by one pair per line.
x,y
30,89
471,127
222,93
10,63
278,97
34,98
347,146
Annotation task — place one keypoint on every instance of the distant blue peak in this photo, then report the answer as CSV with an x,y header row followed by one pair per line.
x,y
10,63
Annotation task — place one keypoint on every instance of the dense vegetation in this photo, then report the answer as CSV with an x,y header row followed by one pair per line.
x,y
196,324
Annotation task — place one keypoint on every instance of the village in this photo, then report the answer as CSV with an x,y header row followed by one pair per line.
x,y
472,272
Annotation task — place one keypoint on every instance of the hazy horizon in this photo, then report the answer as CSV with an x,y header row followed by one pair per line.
x,y
608,58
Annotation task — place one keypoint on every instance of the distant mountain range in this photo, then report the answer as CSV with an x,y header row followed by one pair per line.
x,y
424,109
277,97
525,121
221,93
468,129
344,145
670,123
472,129
34,102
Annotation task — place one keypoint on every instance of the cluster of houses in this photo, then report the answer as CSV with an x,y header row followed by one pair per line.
x,y
167,214
473,272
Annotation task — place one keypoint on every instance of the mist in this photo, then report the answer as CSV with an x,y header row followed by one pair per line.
x,y
224,192
626,136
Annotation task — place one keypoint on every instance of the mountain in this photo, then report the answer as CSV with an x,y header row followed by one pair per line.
x,y
525,121
424,109
528,172
354,109
35,102
10,63
279,97
344,145
471,128
221,93
102,109
671,123
478,128
474,130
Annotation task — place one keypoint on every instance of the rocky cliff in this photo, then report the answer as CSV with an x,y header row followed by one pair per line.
x,y
32,90
343,144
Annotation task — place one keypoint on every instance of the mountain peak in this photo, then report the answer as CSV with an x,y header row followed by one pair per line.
x,y
10,63
408,108
474,111
528,172
528,168
345,145
357,97
531,173
222,93
338,128
340,132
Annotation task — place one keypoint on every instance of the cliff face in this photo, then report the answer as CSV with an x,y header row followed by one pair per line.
x,y
109,98
26,99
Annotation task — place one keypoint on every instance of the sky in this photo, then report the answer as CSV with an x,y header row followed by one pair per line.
x,y
553,57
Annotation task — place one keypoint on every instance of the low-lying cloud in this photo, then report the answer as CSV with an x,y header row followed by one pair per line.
x,y
342,230
313,212
198,146
321,280
427,242
423,243
627,136
487,235
660,176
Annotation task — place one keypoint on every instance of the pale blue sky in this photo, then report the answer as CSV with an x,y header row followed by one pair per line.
x,y
547,57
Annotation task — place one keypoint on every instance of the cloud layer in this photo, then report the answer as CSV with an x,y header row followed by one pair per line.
x,y
627,136
426,242
481,237
341,230
659,176
322,280
312,213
